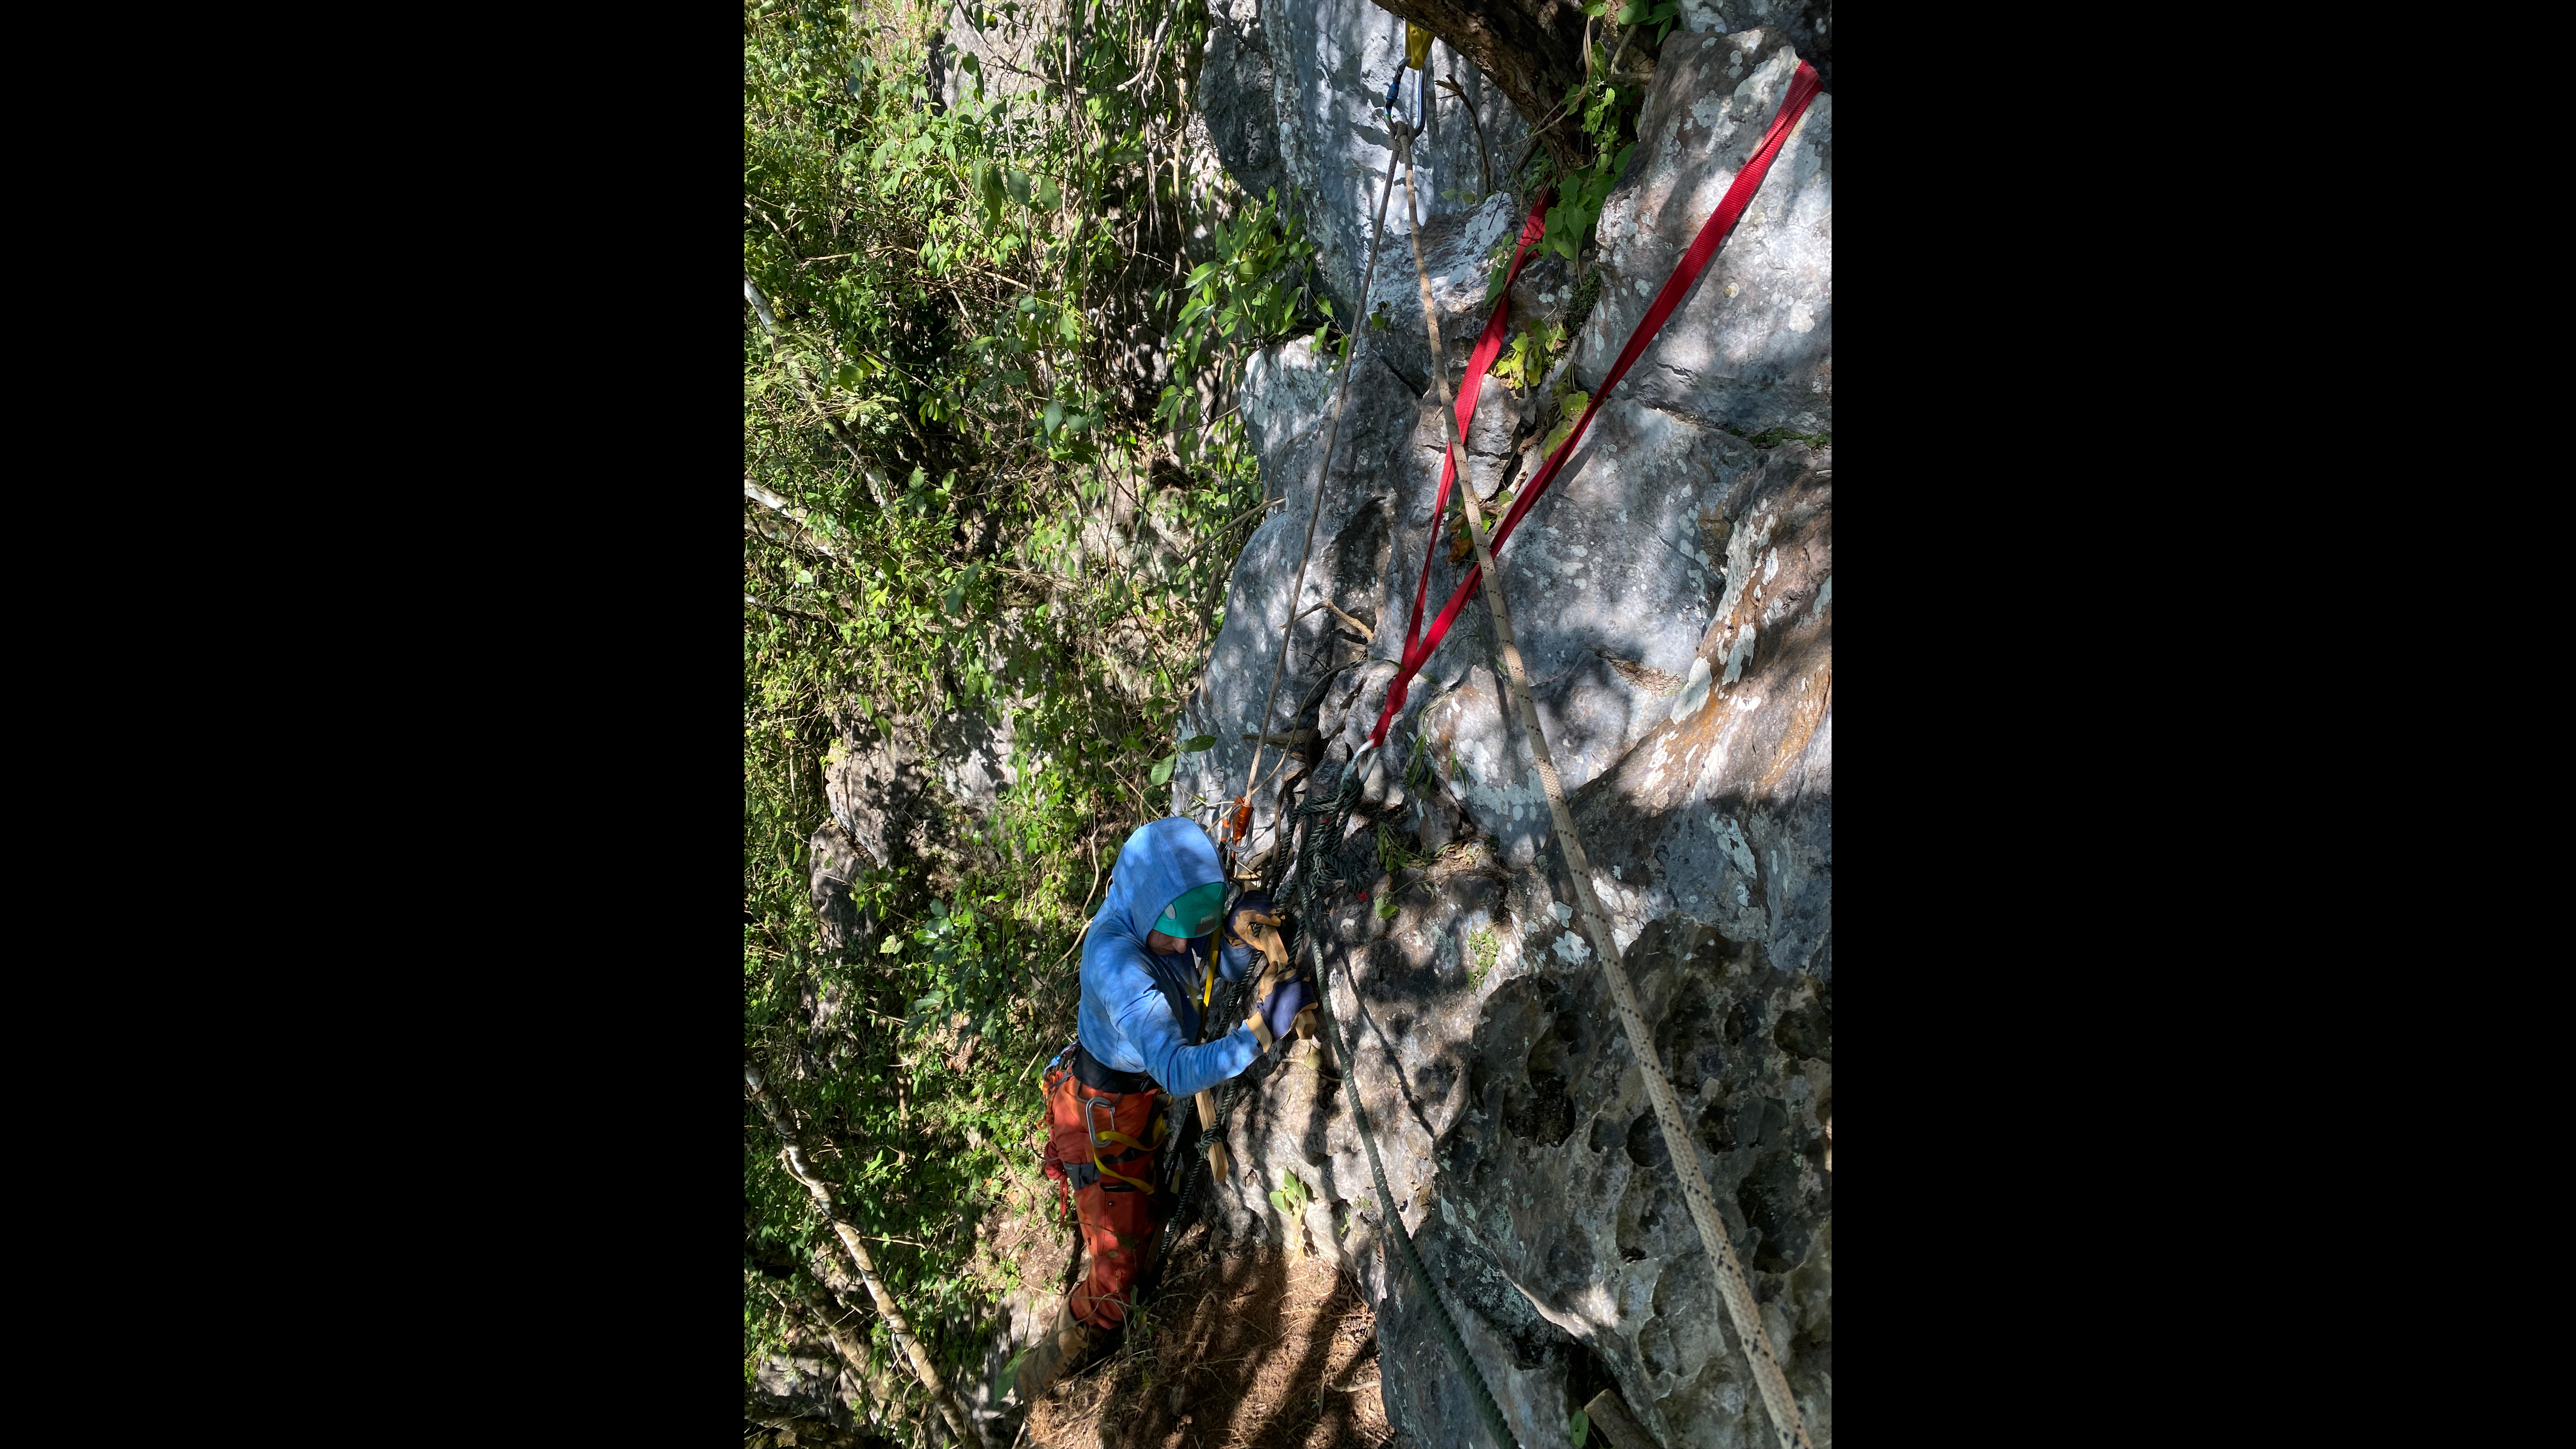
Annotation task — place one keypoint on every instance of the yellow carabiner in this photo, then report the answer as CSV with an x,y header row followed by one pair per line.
x,y
1417,45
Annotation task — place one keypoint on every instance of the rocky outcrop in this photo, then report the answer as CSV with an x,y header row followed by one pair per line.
x,y
835,868
1672,597
1752,347
1289,96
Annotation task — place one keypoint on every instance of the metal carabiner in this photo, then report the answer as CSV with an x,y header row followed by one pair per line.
x,y
1088,1103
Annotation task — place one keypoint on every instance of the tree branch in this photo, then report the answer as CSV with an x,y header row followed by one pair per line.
x,y
792,1153
769,322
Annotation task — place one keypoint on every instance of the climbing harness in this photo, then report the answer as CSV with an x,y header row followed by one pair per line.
x,y
1739,194
1087,1097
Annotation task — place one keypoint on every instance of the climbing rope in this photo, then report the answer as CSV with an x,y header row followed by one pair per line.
x,y
1323,470
1803,89
1755,1340
1323,841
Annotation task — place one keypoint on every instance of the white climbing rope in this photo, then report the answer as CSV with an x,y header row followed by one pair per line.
x,y
1323,473
1767,1377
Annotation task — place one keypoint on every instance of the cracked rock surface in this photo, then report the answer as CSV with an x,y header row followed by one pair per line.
x,y
1673,600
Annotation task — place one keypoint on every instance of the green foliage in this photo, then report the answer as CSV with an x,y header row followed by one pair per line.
x,y
1534,349
1483,949
1392,857
1578,1427
1291,1195
975,521
1162,772
1417,763
1607,115
1257,289
1570,404
1581,192
1350,1217
1661,17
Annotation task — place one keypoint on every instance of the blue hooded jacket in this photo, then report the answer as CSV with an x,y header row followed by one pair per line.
x,y
1140,1010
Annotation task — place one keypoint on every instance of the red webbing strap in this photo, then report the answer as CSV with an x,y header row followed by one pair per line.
x,y
1489,345
1802,89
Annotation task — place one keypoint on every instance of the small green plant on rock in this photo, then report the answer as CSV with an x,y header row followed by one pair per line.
x,y
1392,857
1526,361
1291,1197
1483,949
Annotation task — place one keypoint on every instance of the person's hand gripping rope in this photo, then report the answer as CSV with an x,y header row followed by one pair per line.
x,y
1284,998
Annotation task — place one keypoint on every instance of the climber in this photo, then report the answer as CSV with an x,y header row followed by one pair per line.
x,y
1146,976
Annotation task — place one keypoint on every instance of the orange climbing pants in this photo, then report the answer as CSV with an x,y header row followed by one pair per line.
x,y
1111,1186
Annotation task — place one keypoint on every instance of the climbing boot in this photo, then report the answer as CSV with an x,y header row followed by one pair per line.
x,y
1066,1347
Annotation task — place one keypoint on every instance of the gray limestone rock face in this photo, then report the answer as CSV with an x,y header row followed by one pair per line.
x,y
1308,122
1672,600
870,789
1752,345
1612,578
1806,24
1455,249
1723,814
971,752
1236,102
835,864
1006,57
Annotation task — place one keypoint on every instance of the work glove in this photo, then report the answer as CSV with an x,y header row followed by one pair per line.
x,y
1250,908
1254,923
1279,1009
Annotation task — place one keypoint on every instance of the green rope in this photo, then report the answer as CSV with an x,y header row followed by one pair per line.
x,y
1336,813
1322,840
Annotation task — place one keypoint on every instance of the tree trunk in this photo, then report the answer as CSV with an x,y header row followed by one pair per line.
x,y
959,1421
1531,49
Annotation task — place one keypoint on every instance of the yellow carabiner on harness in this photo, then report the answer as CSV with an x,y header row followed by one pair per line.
x,y
1417,45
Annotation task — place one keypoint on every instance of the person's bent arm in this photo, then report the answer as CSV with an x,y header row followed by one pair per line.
x,y
1182,1070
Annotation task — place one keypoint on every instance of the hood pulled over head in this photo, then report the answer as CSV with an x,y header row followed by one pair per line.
x,y
1164,860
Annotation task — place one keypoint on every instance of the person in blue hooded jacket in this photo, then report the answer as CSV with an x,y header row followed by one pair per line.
x,y
1146,979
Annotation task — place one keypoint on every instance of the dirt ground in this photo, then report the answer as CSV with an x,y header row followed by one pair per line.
x,y
1242,1347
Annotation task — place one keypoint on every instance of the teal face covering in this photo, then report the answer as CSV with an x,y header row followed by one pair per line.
x,y
1193,913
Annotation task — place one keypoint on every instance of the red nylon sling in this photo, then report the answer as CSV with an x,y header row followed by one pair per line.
x,y
1803,87
1489,345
